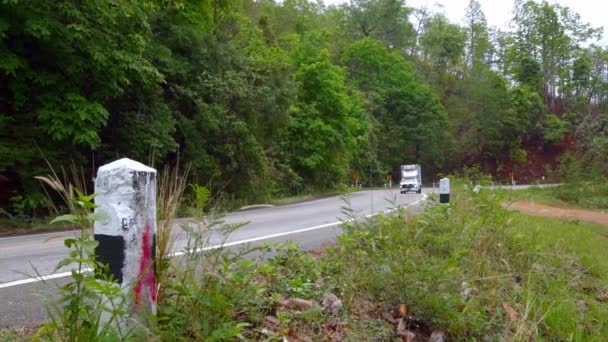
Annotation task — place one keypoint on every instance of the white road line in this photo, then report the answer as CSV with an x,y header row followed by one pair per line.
x,y
229,244
260,238
61,233
37,279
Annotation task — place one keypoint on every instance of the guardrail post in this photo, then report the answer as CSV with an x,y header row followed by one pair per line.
x,y
444,190
126,196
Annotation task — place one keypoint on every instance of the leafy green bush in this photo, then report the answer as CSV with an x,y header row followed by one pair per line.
x,y
204,305
518,155
554,129
474,175
291,272
582,185
570,168
232,295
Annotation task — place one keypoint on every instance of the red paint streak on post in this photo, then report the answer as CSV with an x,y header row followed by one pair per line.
x,y
146,276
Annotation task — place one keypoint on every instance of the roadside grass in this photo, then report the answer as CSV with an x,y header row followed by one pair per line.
x,y
532,193
481,272
570,275
580,194
17,334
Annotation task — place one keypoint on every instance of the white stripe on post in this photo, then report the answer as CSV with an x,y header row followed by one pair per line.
x,y
444,190
126,196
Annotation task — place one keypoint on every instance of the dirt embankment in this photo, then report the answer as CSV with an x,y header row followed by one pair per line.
x,y
563,213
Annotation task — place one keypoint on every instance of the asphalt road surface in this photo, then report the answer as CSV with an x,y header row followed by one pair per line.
x,y
311,224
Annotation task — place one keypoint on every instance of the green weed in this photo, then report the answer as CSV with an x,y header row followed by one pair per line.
x,y
91,306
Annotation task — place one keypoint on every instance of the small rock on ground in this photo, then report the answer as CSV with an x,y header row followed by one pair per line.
x,y
438,336
332,303
407,336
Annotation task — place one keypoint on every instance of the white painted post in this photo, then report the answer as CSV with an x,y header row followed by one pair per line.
x,y
126,196
444,190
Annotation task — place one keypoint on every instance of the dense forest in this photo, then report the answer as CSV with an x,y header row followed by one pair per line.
x,y
266,98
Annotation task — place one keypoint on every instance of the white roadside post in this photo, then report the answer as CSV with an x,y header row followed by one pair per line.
x,y
126,197
444,190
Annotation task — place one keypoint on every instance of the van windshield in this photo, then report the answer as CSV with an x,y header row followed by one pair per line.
x,y
409,174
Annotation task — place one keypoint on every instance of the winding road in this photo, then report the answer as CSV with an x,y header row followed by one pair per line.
x,y
26,260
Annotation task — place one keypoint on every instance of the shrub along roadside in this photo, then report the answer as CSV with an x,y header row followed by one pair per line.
x,y
479,271
474,270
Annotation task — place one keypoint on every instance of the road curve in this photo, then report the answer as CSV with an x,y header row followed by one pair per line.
x,y
310,224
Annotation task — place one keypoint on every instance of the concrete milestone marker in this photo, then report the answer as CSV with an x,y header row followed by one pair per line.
x,y
126,196
444,190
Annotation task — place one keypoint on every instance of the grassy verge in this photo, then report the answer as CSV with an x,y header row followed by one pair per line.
x,y
568,283
544,195
473,271
480,272
587,195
